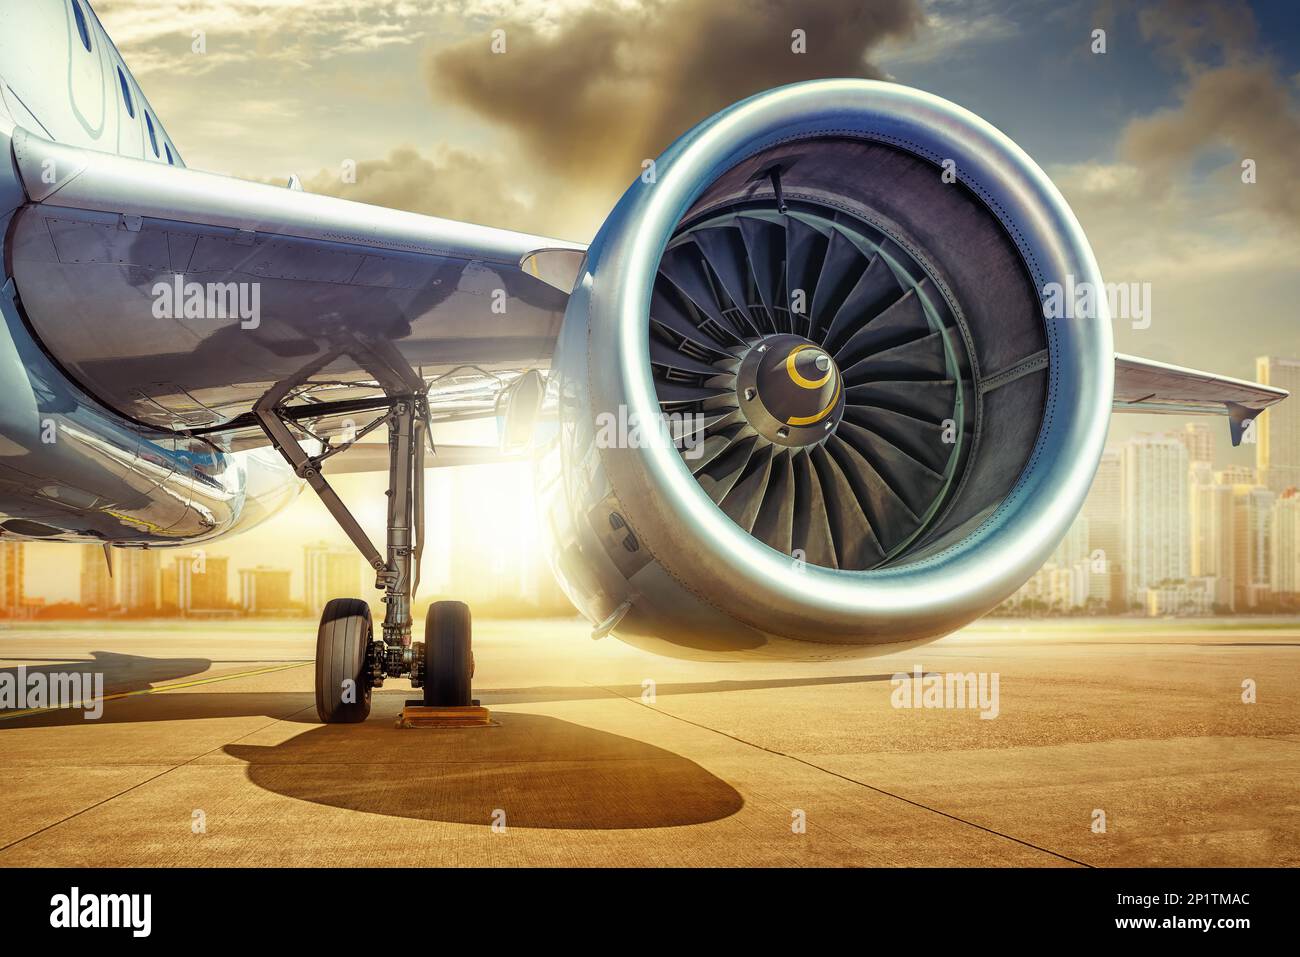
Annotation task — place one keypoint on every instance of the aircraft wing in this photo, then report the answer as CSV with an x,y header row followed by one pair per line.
x,y
1145,385
351,300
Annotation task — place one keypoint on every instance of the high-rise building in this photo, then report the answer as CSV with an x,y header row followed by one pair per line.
x,y
1236,475
1199,441
97,587
1102,509
12,570
1154,496
1211,511
1286,545
169,597
1277,430
138,571
1074,547
264,590
1252,523
330,572
201,584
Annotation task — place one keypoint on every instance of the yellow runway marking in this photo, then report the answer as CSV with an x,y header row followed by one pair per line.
x,y
161,688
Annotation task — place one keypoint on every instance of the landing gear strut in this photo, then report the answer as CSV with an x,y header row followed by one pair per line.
x,y
350,660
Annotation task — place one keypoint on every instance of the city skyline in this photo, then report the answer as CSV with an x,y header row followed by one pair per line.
x,y
1165,531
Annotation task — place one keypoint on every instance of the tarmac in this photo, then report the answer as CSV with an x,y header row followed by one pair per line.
x,y
1116,742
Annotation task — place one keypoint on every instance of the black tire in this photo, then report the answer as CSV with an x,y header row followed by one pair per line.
x,y
448,655
342,643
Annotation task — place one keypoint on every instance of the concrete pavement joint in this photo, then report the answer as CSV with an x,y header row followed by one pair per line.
x,y
155,777
849,780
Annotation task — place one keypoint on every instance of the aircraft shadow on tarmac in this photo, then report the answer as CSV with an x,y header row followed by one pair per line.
x,y
122,673
542,772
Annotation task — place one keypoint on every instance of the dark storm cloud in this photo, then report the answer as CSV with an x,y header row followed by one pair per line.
x,y
611,87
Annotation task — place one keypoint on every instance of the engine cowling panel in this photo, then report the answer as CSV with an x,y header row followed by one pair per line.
x,y
809,404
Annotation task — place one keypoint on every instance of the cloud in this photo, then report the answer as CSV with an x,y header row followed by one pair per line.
x,y
1245,110
594,95
254,31
1235,105
451,184
1192,30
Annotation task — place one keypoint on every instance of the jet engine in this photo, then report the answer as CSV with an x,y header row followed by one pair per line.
x,y
810,405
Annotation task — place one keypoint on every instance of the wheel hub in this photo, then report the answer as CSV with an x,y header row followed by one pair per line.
x,y
790,390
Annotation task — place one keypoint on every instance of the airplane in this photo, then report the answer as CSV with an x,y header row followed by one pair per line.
x,y
799,398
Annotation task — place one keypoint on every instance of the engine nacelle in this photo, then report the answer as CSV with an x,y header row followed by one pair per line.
x,y
809,403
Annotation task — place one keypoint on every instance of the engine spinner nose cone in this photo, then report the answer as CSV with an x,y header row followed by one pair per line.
x,y
790,390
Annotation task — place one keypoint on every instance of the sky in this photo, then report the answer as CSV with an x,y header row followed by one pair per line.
x,y
1145,140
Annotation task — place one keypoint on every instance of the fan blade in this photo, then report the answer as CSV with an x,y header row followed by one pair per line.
x,y
930,399
902,322
718,477
889,515
670,358
664,312
744,499
841,268
677,392
724,251
912,481
713,446
920,440
876,288
804,249
775,522
855,541
765,246
811,533
685,269
918,359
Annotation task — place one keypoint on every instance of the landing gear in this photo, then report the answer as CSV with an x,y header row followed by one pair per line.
x,y
343,662
448,655
350,660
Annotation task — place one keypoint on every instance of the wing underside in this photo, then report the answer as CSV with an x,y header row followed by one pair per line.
x,y
181,299
1145,385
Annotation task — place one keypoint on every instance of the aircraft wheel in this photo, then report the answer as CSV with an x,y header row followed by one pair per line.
x,y
448,656
342,673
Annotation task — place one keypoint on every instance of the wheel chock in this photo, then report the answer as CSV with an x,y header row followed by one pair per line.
x,y
420,715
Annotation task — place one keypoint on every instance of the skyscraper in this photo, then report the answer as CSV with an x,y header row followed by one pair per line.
x,y
1154,495
1236,475
264,590
1286,545
330,572
1277,448
12,570
97,587
1252,523
137,570
1199,441
1102,509
1211,533
201,584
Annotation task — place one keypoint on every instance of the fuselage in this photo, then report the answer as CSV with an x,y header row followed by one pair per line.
x,y
71,468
